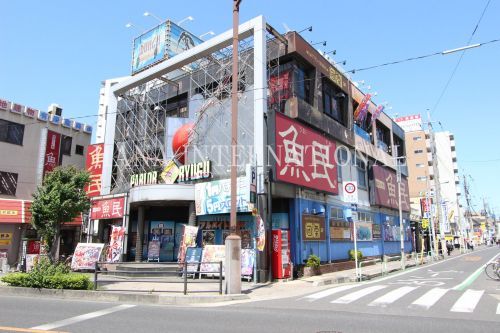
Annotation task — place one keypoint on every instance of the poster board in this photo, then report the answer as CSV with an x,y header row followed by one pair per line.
x,y
31,260
247,262
116,244
86,255
211,255
154,250
193,257
188,240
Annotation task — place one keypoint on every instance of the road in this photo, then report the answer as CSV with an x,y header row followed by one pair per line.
x,y
453,295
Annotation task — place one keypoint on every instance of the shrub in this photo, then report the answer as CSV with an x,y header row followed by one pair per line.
x,y
50,276
351,255
313,261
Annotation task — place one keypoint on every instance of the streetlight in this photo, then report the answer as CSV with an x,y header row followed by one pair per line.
x,y
323,43
130,25
211,33
154,16
308,29
189,18
401,231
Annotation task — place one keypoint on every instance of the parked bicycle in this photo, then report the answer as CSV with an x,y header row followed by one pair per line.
x,y
492,270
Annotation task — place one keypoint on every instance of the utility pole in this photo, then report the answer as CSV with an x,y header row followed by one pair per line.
x,y
233,241
401,229
467,200
437,184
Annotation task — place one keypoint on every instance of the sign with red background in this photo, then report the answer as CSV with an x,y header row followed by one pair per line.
x,y
107,208
51,158
11,211
93,164
386,189
305,157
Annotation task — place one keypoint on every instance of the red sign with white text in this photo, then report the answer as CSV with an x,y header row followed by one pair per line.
x,y
107,208
51,159
386,189
93,164
11,211
305,157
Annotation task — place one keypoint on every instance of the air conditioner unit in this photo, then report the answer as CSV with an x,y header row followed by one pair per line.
x,y
55,109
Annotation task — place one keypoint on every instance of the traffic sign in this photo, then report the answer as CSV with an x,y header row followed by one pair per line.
x,y
350,191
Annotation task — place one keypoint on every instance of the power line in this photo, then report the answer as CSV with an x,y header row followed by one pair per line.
x,y
459,60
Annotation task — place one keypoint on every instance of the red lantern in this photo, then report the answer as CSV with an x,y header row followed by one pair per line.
x,y
180,141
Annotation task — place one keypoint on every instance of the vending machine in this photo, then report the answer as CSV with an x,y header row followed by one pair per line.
x,y
281,263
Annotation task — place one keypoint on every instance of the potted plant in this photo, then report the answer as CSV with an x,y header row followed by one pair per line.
x,y
312,266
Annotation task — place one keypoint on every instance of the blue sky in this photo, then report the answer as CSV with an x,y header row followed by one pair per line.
x,y
59,51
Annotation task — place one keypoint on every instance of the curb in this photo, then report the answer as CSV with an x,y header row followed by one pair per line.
x,y
103,296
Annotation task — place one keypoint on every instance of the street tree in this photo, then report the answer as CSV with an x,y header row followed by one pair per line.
x,y
60,199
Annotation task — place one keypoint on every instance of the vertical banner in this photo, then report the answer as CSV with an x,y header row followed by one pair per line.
x,y
188,240
261,233
93,164
51,157
116,244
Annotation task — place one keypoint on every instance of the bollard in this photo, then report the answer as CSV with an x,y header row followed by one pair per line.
x,y
184,269
220,278
96,267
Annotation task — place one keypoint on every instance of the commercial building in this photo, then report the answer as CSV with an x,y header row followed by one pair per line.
x,y
32,143
422,180
315,153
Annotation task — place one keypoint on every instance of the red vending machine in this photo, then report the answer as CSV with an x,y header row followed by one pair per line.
x,y
282,266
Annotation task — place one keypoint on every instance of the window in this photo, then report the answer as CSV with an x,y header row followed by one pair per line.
x,y
419,165
417,138
11,132
8,183
365,217
361,170
79,150
342,155
336,213
334,102
418,151
66,142
422,178
304,83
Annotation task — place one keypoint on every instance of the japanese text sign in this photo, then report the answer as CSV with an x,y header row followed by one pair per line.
x,y
107,209
313,228
51,159
93,164
304,157
386,189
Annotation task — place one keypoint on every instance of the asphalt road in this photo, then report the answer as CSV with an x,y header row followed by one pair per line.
x,y
452,295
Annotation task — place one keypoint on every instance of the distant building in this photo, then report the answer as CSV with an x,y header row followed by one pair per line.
x,y
32,143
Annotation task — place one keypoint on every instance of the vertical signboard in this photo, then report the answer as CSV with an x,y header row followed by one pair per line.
x,y
386,189
93,164
51,158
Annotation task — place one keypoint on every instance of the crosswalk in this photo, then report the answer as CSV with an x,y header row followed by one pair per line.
x,y
385,295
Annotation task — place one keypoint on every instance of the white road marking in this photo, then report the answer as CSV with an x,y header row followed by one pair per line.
x,y
468,301
357,294
429,298
328,292
498,308
392,296
83,317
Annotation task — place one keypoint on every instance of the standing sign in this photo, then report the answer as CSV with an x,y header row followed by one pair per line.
x,y
51,157
193,257
93,164
86,255
350,191
247,262
305,157
188,240
212,254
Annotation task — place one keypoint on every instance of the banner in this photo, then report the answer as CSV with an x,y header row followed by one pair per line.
x,y
188,240
116,244
362,108
86,255
51,157
107,209
377,112
247,262
212,254
386,189
364,231
261,233
215,197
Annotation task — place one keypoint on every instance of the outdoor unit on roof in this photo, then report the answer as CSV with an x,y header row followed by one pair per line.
x,y
55,109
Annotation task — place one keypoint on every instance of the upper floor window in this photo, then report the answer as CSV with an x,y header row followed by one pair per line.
x,y
304,83
11,132
419,165
418,151
365,217
417,138
79,150
8,183
361,172
336,213
334,102
422,178
66,143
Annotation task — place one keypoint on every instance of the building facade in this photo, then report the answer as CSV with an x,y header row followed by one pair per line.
x,y
315,154
32,143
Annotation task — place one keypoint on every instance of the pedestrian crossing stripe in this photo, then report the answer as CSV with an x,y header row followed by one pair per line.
x,y
392,296
468,301
329,292
429,298
358,294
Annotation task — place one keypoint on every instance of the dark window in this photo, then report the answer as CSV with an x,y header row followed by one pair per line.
x,y
174,107
79,150
361,171
11,132
304,83
66,145
8,183
334,102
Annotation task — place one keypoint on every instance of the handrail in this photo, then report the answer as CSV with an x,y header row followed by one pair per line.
x,y
182,269
360,265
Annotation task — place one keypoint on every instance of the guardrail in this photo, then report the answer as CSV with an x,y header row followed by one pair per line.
x,y
388,259
179,271
360,266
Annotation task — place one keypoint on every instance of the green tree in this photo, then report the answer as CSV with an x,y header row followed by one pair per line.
x,y
60,199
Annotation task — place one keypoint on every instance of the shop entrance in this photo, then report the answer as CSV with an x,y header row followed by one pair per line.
x,y
161,242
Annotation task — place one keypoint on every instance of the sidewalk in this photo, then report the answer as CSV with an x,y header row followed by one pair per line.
x,y
207,290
